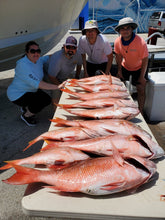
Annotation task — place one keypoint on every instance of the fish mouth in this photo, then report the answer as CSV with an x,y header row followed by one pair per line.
x,y
137,164
143,143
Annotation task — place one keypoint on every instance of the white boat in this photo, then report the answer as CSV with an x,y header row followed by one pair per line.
x,y
45,22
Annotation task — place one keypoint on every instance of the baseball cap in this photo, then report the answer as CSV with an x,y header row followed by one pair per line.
x,y
71,41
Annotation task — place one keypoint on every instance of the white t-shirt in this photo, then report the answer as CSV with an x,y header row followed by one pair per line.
x,y
97,53
61,67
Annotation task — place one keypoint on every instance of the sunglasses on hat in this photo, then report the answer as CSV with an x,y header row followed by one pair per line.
x,y
33,51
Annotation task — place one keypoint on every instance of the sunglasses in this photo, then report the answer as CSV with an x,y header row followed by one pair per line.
x,y
70,47
33,51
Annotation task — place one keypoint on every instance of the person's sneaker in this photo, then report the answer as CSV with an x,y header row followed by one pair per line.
x,y
23,109
30,121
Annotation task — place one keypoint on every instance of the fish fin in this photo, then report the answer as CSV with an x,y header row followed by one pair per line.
x,y
58,167
49,146
110,79
102,72
115,107
117,156
24,175
113,186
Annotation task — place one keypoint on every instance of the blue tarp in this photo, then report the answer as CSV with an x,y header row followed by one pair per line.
x,y
109,12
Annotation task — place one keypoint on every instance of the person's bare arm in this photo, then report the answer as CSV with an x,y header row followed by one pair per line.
x,y
84,65
109,63
119,66
142,79
78,71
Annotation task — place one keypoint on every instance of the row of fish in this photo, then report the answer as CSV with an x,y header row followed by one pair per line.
x,y
96,157
107,99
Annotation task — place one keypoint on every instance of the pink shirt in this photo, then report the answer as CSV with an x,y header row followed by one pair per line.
x,y
133,53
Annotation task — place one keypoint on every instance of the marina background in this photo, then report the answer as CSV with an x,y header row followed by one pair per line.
x,y
109,12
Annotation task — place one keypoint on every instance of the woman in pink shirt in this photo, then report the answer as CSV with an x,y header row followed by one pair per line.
x,y
131,57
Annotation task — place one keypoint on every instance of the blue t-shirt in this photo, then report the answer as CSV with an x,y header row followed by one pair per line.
x,y
27,77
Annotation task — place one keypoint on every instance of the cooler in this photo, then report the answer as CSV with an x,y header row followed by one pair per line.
x,y
155,97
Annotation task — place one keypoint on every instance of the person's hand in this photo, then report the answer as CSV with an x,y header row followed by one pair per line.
x,y
120,76
142,81
85,75
62,85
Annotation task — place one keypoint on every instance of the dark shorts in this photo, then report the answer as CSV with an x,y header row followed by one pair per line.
x,y
135,75
92,68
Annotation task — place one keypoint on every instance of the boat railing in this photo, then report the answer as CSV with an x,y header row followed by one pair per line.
x,y
108,28
154,34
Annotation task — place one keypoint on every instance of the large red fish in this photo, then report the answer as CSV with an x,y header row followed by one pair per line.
x,y
100,87
97,95
114,126
51,158
104,145
100,103
107,112
65,134
98,176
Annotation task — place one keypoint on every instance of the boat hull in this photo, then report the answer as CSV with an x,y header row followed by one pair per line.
x,y
45,22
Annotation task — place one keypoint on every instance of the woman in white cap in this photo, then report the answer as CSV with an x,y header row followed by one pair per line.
x,y
132,57
97,48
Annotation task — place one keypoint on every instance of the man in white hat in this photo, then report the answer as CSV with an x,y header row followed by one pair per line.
x,y
97,48
132,57
63,63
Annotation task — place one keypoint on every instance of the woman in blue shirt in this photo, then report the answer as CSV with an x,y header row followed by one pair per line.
x,y
26,87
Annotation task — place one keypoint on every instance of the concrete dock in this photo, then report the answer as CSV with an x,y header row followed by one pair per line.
x,y
15,135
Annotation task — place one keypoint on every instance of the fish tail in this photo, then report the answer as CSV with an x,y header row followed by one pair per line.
x,y
60,121
67,90
64,105
33,142
24,175
73,82
8,165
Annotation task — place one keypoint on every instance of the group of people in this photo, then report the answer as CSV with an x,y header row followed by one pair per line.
x,y
93,52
